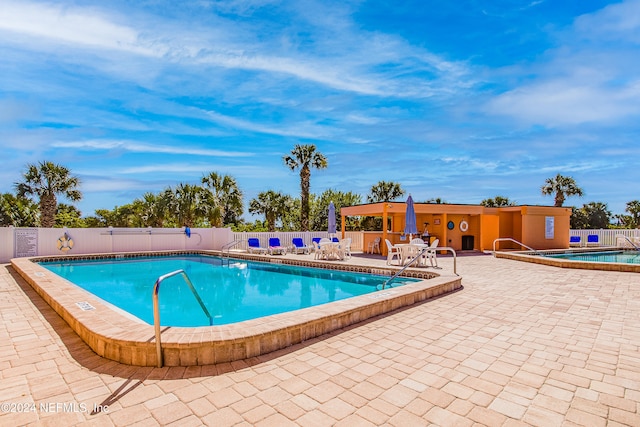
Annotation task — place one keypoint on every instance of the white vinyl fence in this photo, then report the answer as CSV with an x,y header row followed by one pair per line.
x,y
18,241
608,237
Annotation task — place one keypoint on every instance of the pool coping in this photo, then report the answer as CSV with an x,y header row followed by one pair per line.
x,y
118,337
533,257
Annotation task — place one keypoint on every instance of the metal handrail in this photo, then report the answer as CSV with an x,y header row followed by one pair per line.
x,y
628,240
156,310
397,273
228,247
503,239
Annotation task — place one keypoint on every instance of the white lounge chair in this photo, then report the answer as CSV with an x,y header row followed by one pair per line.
x,y
275,247
392,252
254,246
298,246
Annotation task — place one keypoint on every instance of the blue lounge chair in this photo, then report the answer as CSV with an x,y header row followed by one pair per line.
x,y
299,246
275,247
593,240
254,246
575,241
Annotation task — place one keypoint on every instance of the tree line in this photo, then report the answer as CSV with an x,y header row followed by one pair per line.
x,y
218,201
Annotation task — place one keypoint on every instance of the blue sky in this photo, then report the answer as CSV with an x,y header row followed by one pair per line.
x,y
458,100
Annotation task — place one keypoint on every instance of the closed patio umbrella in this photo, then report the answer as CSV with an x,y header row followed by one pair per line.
x,y
410,226
332,218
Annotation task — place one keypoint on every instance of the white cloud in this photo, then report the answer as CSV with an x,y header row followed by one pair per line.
x,y
581,83
563,102
301,130
137,147
78,26
346,66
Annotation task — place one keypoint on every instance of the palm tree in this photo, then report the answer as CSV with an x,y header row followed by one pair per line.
x,y
17,211
153,209
562,186
633,207
188,204
320,209
272,205
227,198
46,181
385,191
305,157
497,201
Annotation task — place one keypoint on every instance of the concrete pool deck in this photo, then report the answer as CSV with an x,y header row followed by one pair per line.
x,y
520,344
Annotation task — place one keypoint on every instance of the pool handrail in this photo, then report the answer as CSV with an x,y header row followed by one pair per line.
x,y
628,240
156,309
504,239
227,247
397,273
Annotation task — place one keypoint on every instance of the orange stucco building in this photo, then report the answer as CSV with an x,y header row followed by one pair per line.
x,y
470,227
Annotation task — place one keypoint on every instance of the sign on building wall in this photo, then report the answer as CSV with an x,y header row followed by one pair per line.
x,y
25,242
549,225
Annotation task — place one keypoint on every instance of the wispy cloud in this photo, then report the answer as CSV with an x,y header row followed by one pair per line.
x,y
582,83
73,25
351,68
137,147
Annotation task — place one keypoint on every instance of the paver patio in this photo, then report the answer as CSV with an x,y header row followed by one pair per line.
x,y
521,344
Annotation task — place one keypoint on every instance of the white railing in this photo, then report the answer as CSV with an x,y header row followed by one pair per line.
x,y
607,237
18,241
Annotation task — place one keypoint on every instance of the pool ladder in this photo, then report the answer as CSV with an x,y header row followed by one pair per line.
x,y
156,309
620,236
226,250
443,248
509,239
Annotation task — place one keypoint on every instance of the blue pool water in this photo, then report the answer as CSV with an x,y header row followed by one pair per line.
x,y
629,257
231,293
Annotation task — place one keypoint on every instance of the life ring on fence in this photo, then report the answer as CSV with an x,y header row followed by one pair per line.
x,y
464,226
65,243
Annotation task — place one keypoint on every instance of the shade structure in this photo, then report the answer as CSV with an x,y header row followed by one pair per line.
x,y
332,219
410,226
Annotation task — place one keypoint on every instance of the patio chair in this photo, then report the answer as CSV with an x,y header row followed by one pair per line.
x,y
319,251
593,240
275,247
298,246
431,254
323,249
392,252
374,246
254,246
575,241
345,247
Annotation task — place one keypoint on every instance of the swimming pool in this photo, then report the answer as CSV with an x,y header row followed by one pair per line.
x,y
118,336
628,257
610,259
231,291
